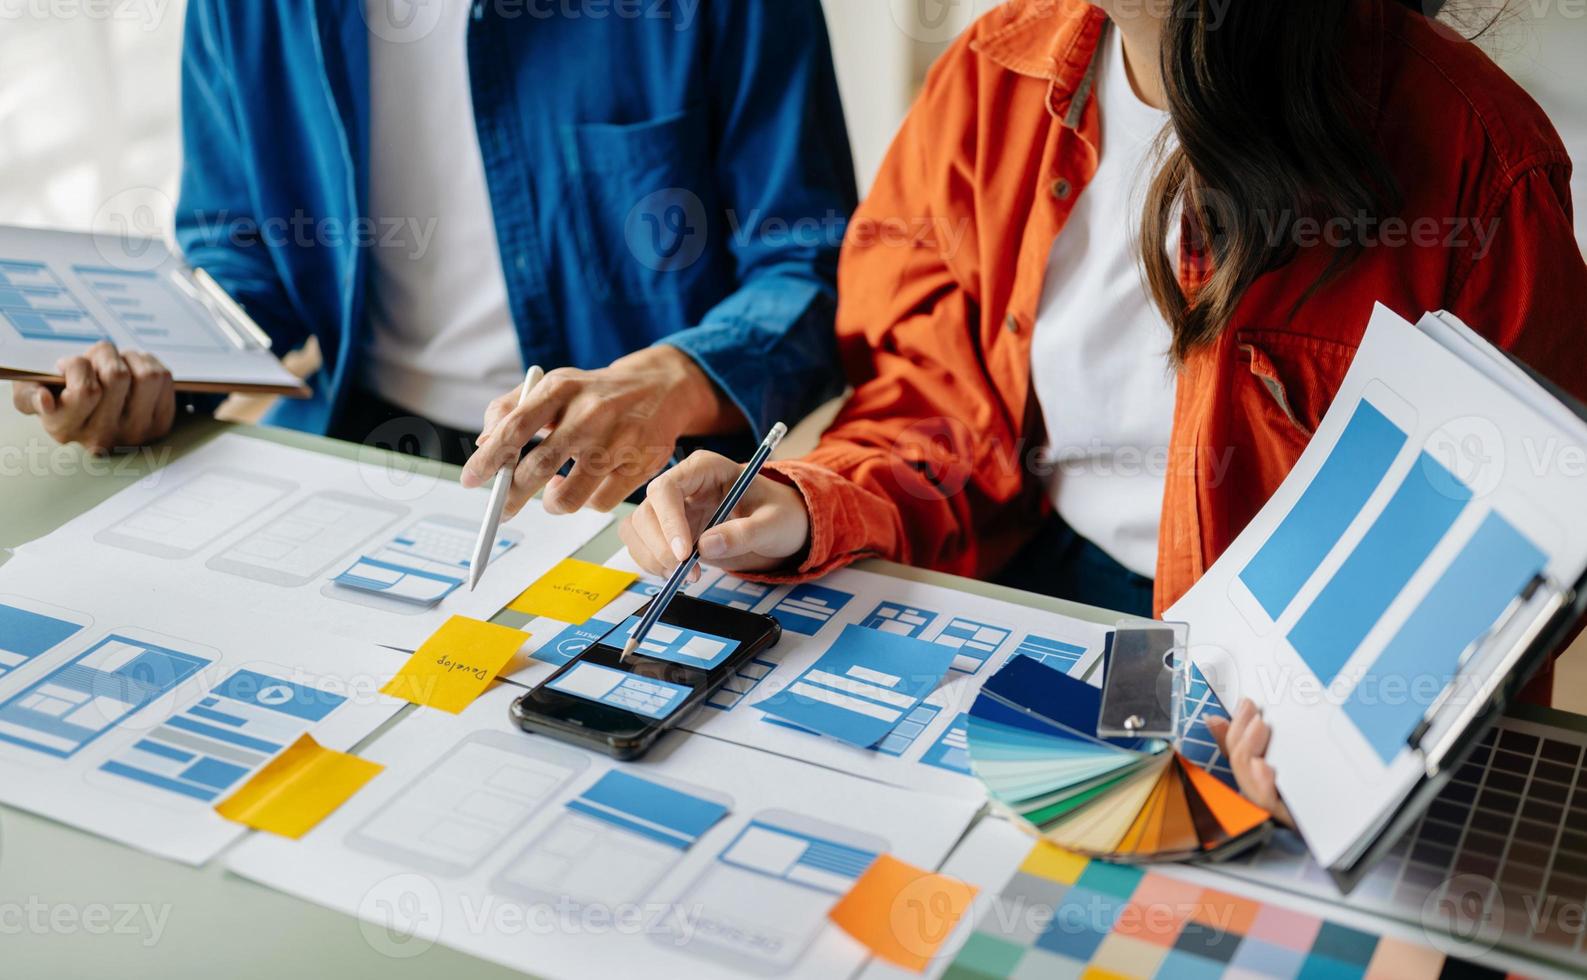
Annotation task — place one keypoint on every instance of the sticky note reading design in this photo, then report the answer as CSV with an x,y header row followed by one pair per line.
x,y
456,664
573,591
901,913
298,788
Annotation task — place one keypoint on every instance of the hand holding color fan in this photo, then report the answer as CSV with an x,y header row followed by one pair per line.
x,y
1033,742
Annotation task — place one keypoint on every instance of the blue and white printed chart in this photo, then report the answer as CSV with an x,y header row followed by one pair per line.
x,y
134,734
61,292
30,629
366,550
423,564
862,687
1417,515
613,842
977,635
723,834
208,749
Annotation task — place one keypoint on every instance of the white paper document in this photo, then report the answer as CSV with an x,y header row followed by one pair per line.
x,y
1429,498
129,715
926,750
62,292
703,860
357,549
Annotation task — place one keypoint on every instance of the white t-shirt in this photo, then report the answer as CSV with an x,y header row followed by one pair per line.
x,y
1100,354
442,342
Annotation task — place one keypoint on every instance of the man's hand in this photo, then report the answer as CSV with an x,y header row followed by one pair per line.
x,y
1244,741
768,529
620,425
109,400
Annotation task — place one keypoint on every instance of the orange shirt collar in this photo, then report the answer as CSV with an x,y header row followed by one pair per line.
x,y
1058,41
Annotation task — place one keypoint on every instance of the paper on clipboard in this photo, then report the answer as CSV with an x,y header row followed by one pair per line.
x,y
62,292
1423,507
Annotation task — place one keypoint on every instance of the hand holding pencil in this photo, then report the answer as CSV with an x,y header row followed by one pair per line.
x,y
768,527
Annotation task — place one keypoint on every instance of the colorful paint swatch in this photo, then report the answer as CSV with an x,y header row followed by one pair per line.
x,y
298,788
1062,915
902,913
573,591
456,664
1031,738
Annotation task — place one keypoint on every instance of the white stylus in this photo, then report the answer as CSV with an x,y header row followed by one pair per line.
x,y
498,496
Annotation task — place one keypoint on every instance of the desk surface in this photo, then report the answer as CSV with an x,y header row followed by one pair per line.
x,y
75,904
72,904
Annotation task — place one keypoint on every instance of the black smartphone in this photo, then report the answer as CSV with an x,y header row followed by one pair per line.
x,y
601,702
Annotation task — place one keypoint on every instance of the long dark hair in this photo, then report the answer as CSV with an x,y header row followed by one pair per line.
x,y
1268,122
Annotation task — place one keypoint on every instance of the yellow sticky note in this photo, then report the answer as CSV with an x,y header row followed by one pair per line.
x,y
573,591
456,664
901,913
298,788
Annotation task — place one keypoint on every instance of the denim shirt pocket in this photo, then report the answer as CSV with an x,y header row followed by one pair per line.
x,y
643,204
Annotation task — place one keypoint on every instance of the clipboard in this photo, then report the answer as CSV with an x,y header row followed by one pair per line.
x,y
1519,649
61,292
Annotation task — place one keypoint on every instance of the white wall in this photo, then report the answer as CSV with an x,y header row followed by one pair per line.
x,y
88,104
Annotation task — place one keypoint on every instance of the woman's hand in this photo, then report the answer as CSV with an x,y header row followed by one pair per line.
x,y
109,400
770,526
1244,741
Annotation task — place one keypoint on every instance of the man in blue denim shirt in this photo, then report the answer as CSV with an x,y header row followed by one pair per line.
x,y
648,195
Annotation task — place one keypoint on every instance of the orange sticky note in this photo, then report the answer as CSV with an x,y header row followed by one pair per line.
x,y
901,913
298,788
573,591
456,664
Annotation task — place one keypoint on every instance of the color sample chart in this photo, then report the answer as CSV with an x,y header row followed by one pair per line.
x,y
1504,845
1330,504
1061,916
1473,592
1417,517
1031,739
93,693
37,306
207,749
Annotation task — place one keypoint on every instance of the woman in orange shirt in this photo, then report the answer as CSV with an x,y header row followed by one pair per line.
x,y
1112,274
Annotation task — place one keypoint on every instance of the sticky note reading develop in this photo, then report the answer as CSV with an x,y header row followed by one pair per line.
x,y
573,591
298,788
901,913
456,664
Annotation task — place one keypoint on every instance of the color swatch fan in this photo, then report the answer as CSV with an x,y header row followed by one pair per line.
x,y
1033,742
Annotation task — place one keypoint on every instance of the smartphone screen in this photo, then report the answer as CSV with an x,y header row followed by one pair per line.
x,y
621,706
